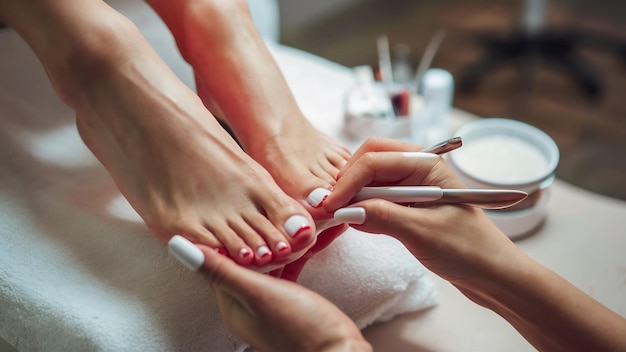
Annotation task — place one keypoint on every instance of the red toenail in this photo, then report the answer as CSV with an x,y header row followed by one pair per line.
x,y
301,230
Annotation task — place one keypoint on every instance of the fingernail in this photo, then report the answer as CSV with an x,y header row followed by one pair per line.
x,y
420,155
354,215
281,246
245,252
316,197
263,251
296,224
186,252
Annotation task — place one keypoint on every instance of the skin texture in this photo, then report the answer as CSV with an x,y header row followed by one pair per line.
x,y
458,243
274,314
164,149
463,246
237,78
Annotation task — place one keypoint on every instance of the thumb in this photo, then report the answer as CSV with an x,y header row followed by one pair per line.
x,y
381,216
223,273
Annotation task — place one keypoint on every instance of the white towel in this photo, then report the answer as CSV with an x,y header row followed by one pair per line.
x,y
79,270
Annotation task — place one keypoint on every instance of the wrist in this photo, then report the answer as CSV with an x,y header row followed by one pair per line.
x,y
498,268
502,282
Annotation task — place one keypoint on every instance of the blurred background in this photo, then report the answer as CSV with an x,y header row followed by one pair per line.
x,y
562,69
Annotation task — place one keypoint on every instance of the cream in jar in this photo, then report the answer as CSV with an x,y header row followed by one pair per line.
x,y
501,158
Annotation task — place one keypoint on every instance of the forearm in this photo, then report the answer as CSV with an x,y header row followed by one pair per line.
x,y
548,311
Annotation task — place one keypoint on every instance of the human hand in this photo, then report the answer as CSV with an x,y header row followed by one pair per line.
x,y
457,242
269,313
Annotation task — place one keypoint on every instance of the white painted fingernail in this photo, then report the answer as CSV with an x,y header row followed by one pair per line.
x,y
354,215
281,246
262,251
186,252
420,155
316,197
296,224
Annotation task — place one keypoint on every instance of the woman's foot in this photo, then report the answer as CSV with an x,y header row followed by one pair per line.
x,y
300,158
178,168
239,81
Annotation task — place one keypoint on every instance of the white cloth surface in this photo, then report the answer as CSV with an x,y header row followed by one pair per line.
x,y
79,271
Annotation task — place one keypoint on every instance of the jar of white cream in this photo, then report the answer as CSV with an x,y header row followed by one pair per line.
x,y
505,153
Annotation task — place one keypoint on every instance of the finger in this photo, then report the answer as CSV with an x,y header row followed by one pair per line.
x,y
378,144
384,168
292,270
223,273
381,216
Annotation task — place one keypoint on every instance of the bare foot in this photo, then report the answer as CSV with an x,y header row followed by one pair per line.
x,y
239,81
180,170
300,158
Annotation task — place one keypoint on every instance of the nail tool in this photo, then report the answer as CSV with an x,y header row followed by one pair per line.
x,y
481,198
445,146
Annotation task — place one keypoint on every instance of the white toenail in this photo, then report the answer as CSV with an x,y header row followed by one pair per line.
x,y
280,246
296,224
263,251
316,197
244,252
186,252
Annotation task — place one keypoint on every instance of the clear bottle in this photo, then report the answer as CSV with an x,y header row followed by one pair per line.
x,y
432,124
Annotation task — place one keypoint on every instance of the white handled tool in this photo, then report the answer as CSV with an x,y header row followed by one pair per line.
x,y
481,198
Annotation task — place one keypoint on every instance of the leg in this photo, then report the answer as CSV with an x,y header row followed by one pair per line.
x,y
238,79
166,153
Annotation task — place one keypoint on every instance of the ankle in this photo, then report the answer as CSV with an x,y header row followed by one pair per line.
x,y
86,62
187,20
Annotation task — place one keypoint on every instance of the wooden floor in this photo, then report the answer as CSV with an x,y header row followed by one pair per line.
x,y
590,131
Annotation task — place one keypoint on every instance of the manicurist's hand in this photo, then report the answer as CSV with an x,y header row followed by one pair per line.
x,y
460,244
456,242
273,314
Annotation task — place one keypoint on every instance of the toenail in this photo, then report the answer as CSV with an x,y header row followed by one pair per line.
x,y
281,246
354,215
245,252
221,251
296,224
263,252
186,252
317,196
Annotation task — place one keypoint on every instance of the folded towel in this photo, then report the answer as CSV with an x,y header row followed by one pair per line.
x,y
79,270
